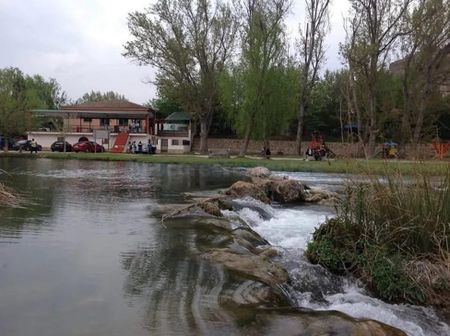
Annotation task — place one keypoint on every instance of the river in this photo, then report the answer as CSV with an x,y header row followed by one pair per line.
x,y
87,254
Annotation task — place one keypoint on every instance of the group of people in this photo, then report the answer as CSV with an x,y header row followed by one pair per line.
x,y
317,148
135,127
138,147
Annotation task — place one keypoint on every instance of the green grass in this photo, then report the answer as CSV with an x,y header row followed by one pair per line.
x,y
351,166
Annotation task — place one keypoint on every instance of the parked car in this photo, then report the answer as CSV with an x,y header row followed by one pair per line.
x,y
58,146
24,145
88,146
2,142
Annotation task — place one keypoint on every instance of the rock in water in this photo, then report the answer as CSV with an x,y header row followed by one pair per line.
x,y
249,265
259,172
288,191
242,189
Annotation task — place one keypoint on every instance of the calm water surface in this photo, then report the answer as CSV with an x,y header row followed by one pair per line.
x,y
88,256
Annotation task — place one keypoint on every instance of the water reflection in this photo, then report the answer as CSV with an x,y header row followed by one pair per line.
x,y
90,257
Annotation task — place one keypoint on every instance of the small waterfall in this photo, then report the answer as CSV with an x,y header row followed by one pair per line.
x,y
312,286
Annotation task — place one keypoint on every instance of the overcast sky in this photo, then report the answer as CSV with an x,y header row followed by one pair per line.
x,y
80,42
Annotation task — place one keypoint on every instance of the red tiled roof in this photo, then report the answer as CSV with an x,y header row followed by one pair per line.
x,y
111,105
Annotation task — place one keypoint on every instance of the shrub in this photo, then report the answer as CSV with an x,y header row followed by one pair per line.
x,y
385,228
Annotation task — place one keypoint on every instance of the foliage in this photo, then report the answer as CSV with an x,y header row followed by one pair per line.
x,y
372,29
19,94
382,228
325,104
189,42
272,113
425,65
258,93
164,105
97,96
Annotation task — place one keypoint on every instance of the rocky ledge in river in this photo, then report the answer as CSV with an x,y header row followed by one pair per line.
x,y
268,188
250,262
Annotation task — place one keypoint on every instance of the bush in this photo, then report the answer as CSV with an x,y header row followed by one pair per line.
x,y
384,227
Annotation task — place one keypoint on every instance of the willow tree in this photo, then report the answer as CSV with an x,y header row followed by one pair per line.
x,y
254,91
312,54
373,26
189,43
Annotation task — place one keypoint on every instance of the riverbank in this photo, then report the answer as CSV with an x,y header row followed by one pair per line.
x,y
280,163
393,235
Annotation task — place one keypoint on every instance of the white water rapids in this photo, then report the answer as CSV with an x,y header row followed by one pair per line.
x,y
290,229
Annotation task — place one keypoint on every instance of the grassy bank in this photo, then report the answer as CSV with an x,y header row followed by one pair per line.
x,y
351,166
394,236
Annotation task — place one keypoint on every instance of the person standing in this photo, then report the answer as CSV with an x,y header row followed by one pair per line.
x,y
33,146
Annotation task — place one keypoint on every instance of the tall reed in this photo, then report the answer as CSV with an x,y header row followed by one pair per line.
x,y
394,234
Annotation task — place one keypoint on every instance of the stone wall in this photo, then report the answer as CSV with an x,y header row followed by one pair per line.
x,y
286,147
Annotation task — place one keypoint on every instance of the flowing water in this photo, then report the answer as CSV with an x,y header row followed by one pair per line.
x,y
87,255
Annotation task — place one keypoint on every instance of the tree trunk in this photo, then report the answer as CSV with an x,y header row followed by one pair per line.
x,y
244,147
298,139
371,146
203,135
405,126
419,122
353,98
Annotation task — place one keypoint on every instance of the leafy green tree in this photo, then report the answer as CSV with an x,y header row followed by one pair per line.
x,y
257,91
325,107
50,93
17,98
189,42
97,96
164,105
19,94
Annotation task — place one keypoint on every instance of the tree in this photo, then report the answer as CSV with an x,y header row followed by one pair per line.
x,y
97,96
164,106
19,94
425,49
326,104
260,116
256,91
372,28
312,52
189,43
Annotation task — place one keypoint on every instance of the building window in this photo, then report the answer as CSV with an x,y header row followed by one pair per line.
x,y
123,122
104,122
175,142
186,143
88,120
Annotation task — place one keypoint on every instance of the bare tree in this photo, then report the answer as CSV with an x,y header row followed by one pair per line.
x,y
372,28
189,43
312,53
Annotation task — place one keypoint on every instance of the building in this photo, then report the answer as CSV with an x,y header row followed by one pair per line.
x,y
174,135
113,124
